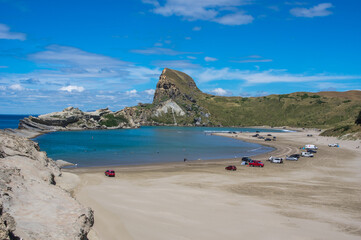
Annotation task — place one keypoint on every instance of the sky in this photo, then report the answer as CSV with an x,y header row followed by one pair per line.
x,y
95,54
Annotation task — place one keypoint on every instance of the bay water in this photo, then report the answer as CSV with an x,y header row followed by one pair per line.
x,y
146,145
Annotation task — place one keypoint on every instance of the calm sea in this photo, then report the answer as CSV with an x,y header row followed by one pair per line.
x,y
145,145
10,121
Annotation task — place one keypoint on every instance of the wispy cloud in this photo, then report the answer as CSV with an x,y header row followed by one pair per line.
x,y
264,77
70,56
61,66
160,51
3,66
252,59
238,18
226,12
30,81
210,59
196,28
319,10
6,34
177,64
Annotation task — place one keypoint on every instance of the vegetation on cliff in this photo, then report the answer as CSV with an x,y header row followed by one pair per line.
x,y
300,109
111,120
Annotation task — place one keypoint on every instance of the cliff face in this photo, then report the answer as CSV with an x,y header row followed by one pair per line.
x,y
31,205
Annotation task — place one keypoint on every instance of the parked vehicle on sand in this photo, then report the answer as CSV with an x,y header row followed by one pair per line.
x,y
290,158
311,146
109,173
246,159
306,154
268,139
296,155
256,135
311,151
255,163
333,145
275,159
231,168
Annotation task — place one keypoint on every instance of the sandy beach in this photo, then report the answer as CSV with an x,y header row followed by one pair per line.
x,y
312,198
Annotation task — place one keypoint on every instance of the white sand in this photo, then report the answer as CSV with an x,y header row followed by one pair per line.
x,y
317,198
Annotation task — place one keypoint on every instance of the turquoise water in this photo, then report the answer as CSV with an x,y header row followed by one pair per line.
x,y
145,145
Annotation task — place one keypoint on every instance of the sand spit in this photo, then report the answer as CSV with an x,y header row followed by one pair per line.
x,y
313,198
32,205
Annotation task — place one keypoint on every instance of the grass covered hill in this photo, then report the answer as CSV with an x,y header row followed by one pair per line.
x,y
300,109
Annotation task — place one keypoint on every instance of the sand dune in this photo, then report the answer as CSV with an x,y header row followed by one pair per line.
x,y
317,198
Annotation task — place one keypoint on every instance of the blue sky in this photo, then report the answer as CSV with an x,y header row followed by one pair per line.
x,y
95,54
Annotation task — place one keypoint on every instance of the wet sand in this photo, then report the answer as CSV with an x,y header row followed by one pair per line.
x,y
312,198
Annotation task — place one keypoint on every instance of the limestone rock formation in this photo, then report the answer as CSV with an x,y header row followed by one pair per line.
x,y
31,205
74,119
170,105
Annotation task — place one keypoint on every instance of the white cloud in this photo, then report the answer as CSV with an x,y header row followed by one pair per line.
x,y
6,34
210,59
132,93
207,10
196,28
3,66
191,57
221,92
319,10
16,87
150,91
2,88
71,88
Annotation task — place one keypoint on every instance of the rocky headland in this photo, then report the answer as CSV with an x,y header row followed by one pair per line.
x,y
32,206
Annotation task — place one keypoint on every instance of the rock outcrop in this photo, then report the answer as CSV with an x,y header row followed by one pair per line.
x,y
74,119
177,86
31,205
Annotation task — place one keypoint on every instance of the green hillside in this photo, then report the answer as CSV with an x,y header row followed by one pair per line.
x,y
300,109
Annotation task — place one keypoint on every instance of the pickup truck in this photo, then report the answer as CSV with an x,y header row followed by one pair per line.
x,y
254,163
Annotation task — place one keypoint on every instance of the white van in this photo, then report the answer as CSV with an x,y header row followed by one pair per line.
x,y
311,146
306,154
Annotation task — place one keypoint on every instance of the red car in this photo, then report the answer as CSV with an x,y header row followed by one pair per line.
x,y
254,163
109,173
231,168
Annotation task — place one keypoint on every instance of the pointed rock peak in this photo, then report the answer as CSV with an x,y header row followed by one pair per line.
x,y
173,84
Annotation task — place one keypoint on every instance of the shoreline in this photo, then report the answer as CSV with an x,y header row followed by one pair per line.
x,y
310,198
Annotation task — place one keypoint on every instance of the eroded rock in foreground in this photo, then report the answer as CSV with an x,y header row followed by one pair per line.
x,y
31,205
